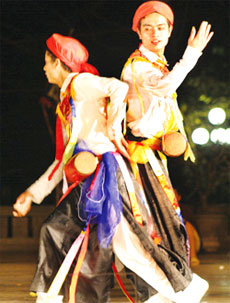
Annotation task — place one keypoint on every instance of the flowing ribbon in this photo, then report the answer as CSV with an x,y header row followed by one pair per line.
x,y
141,152
60,277
130,188
75,276
131,191
163,181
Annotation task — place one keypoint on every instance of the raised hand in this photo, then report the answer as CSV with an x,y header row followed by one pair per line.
x,y
200,39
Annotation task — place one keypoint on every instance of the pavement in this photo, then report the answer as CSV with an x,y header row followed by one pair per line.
x,y
17,269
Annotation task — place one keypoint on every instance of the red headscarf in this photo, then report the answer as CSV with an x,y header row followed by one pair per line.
x,y
150,7
71,52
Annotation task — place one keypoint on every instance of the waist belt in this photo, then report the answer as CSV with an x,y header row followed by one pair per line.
x,y
137,150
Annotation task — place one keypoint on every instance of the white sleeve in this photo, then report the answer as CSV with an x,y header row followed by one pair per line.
x,y
117,91
43,186
103,87
166,85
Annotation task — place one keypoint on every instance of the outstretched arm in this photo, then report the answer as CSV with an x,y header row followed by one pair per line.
x,y
166,85
200,39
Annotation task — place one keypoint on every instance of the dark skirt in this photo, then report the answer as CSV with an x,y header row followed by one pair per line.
x,y
57,234
63,226
171,254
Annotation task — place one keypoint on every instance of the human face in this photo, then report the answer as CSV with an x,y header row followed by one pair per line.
x,y
155,32
51,70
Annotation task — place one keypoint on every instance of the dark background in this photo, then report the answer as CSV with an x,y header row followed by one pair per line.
x,y
104,27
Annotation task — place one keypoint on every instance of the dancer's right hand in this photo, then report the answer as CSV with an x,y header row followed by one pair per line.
x,y
22,205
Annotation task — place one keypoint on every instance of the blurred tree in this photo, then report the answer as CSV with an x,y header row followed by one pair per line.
x,y
208,180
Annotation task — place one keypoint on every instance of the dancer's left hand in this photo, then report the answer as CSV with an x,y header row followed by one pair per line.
x,y
200,39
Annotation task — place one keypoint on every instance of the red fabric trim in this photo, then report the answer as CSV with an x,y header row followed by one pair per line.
x,y
66,110
121,283
68,191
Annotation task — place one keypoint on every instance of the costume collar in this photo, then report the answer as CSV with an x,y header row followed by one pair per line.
x,y
66,82
151,56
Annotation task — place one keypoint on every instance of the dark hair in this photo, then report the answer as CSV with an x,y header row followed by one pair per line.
x,y
53,58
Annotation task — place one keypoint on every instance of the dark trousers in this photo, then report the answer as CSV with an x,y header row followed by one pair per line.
x,y
57,234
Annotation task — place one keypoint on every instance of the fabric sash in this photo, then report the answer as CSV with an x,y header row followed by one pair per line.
x,y
137,150
101,200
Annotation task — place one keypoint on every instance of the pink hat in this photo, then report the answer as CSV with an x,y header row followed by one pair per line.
x,y
69,50
150,7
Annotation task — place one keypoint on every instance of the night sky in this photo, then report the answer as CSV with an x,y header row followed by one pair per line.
x,y
104,27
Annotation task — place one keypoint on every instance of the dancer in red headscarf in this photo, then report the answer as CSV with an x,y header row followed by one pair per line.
x,y
83,125
153,119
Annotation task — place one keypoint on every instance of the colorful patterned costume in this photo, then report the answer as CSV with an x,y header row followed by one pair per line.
x,y
64,225
83,122
109,211
152,113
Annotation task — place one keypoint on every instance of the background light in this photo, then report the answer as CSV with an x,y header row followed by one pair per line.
x,y
200,136
227,134
216,116
218,135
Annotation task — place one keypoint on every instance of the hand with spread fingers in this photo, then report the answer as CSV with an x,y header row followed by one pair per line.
x,y
200,39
